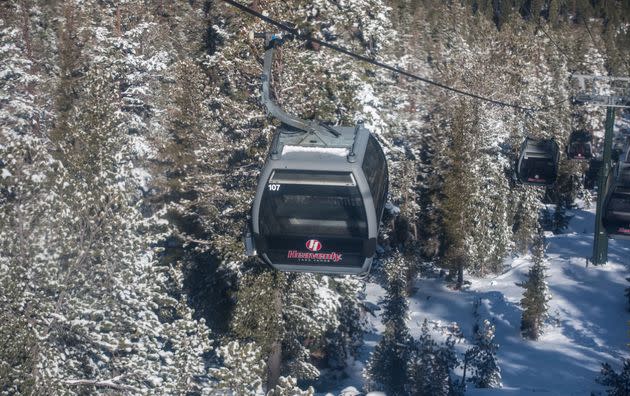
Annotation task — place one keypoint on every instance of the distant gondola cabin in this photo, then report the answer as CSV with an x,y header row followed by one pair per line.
x,y
580,146
538,162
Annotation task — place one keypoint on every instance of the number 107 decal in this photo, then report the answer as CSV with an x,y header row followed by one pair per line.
x,y
274,187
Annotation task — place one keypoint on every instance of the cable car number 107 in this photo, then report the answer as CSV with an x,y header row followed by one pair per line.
x,y
274,187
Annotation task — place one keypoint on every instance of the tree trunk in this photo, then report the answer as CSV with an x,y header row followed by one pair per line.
x,y
274,362
273,365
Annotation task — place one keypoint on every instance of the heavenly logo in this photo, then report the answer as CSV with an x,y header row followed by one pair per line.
x,y
313,245
334,257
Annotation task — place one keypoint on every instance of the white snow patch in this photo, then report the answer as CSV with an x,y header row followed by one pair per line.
x,y
336,151
349,391
142,177
38,177
587,325
393,209
6,173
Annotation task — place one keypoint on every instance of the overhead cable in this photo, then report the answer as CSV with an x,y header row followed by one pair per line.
x,y
299,34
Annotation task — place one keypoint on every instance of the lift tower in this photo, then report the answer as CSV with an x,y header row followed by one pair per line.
x,y
612,93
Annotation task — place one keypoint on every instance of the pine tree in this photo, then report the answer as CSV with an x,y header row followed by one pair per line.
x,y
287,316
242,370
287,386
344,342
525,211
84,277
560,218
553,12
430,366
618,382
482,359
458,198
391,354
536,295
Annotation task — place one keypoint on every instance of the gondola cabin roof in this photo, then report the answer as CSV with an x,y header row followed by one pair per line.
x,y
341,150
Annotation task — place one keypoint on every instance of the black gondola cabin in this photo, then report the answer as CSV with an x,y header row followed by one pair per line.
x,y
317,208
538,162
580,146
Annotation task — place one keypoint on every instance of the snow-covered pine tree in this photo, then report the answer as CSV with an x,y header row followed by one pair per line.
x,y
385,369
104,314
242,371
430,366
287,316
27,173
619,383
481,359
525,211
287,386
469,161
536,294
560,218
343,342
95,326
457,205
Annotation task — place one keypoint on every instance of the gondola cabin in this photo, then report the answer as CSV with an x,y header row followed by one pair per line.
x,y
580,146
538,162
591,175
320,194
319,202
616,217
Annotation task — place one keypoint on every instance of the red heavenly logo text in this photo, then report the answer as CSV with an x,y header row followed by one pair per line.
x,y
314,245
294,254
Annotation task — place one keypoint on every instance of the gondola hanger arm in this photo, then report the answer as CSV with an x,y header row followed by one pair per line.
x,y
272,40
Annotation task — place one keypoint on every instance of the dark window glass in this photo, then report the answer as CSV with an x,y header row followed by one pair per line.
x,y
375,170
619,203
538,169
579,149
313,209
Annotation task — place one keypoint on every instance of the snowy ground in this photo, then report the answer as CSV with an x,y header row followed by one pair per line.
x,y
588,324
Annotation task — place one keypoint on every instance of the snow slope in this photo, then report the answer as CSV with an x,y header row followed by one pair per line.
x,y
588,323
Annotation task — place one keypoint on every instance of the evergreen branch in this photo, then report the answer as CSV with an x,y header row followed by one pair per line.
x,y
101,384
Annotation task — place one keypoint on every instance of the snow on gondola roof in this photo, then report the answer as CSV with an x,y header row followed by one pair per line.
x,y
335,151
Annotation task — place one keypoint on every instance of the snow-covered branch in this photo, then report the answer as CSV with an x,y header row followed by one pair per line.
x,y
101,384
